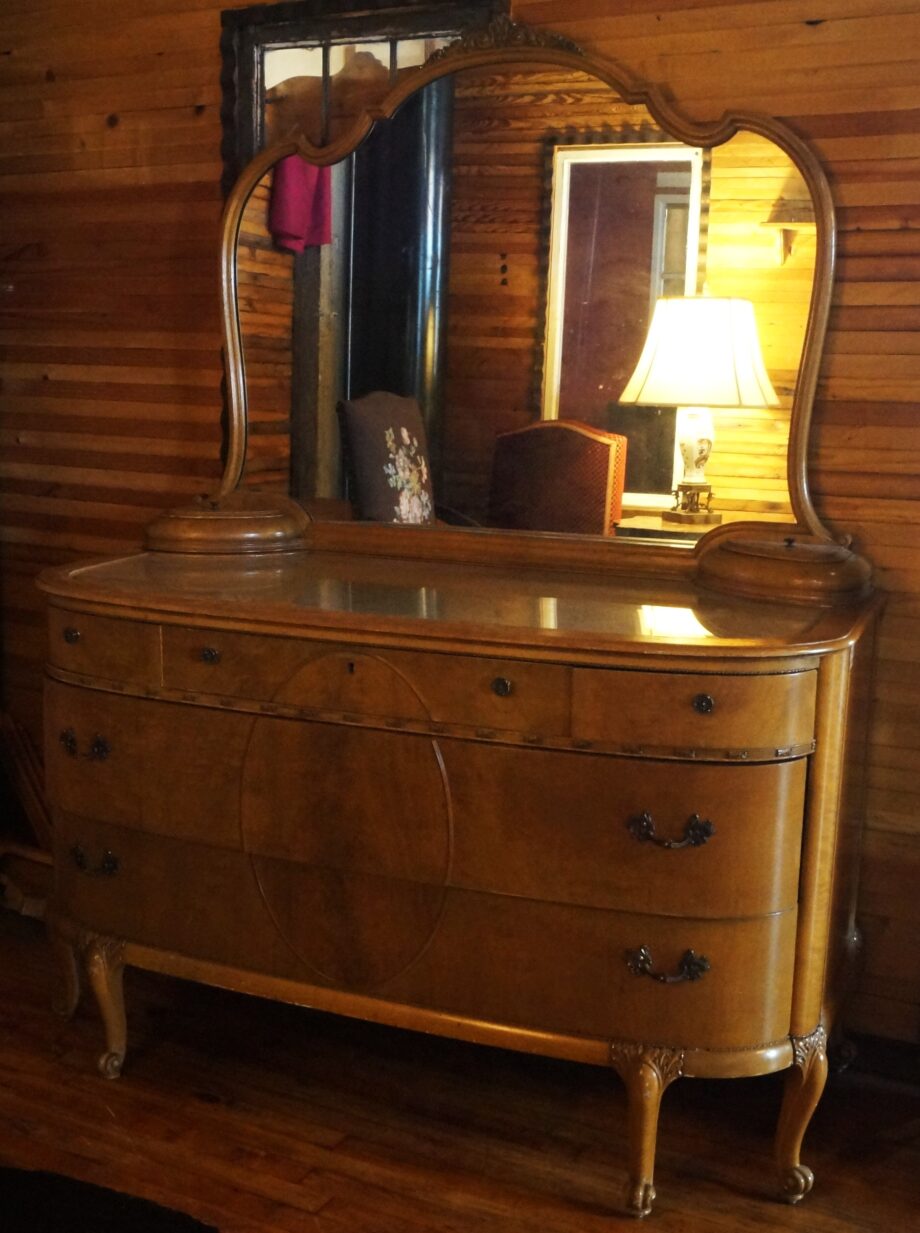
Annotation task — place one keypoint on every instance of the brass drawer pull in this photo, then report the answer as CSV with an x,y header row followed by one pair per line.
x,y
704,704
691,966
107,867
71,636
210,655
68,739
502,686
697,831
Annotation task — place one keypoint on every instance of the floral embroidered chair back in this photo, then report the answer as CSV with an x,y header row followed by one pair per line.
x,y
386,456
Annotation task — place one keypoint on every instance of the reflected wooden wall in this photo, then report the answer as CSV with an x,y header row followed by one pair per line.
x,y
109,341
503,126
747,256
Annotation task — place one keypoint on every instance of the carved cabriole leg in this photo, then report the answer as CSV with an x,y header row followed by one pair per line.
x,y
646,1070
804,1084
104,961
66,996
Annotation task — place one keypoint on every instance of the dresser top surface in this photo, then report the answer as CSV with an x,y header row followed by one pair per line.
x,y
299,593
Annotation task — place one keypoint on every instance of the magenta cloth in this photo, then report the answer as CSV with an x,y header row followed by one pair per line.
x,y
300,213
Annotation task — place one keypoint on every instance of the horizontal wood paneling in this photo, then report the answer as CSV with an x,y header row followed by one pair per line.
x,y
109,210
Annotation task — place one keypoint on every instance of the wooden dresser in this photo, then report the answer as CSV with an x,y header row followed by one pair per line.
x,y
600,818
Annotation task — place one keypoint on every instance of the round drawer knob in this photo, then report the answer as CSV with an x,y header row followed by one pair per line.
x,y
502,686
99,749
704,704
210,655
71,636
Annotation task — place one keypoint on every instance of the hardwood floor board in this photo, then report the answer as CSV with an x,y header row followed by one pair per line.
x,y
230,1208
263,1118
108,1128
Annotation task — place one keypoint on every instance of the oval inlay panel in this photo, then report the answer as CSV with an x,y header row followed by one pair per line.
x,y
348,828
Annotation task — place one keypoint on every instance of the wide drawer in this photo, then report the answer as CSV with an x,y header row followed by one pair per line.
x,y
538,965
560,968
189,898
168,768
541,966
464,690
757,715
676,838
104,647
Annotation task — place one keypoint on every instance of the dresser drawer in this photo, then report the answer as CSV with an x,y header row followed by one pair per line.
x,y
555,967
185,897
166,768
217,661
104,647
591,829
92,753
362,681
693,711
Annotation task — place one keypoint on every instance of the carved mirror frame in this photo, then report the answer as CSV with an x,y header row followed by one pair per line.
x,y
507,44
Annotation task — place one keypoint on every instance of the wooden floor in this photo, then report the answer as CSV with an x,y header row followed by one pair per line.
x,y
253,1116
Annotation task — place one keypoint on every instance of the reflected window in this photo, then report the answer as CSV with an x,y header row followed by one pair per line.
x,y
317,92
290,72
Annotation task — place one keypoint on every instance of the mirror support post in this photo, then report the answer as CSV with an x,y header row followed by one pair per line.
x,y
425,339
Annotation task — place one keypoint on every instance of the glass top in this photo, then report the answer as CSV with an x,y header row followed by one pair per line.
x,y
323,589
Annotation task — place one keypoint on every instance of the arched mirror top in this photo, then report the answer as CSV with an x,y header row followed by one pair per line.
x,y
727,150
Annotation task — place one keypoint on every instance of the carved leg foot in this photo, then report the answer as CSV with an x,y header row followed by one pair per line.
x,y
646,1072
68,988
804,1084
105,969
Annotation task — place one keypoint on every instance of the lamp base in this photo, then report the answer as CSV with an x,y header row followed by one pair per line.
x,y
694,517
692,499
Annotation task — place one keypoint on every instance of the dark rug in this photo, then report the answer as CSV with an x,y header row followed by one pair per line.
x,y
49,1203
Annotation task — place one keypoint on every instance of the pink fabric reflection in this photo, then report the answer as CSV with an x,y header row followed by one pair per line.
x,y
300,213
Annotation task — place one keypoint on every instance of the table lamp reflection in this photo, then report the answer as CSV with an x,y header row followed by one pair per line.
x,y
701,352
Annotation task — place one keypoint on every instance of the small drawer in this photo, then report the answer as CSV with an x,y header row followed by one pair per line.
x,y
216,661
488,694
711,840
693,711
505,695
104,647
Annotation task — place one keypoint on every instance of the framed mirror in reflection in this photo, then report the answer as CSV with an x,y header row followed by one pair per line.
x,y
625,231
436,279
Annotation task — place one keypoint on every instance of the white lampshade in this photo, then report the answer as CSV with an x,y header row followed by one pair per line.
x,y
701,351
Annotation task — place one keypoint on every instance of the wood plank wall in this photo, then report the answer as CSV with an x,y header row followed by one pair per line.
x,y
109,338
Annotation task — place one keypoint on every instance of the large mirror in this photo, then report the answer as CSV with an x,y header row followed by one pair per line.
x,y
493,249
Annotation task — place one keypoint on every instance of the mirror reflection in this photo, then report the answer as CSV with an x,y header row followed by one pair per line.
x,y
428,266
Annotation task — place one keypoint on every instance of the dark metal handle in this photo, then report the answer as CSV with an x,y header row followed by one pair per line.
x,y
704,704
502,686
691,966
697,831
107,867
68,739
210,655
71,635
99,749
